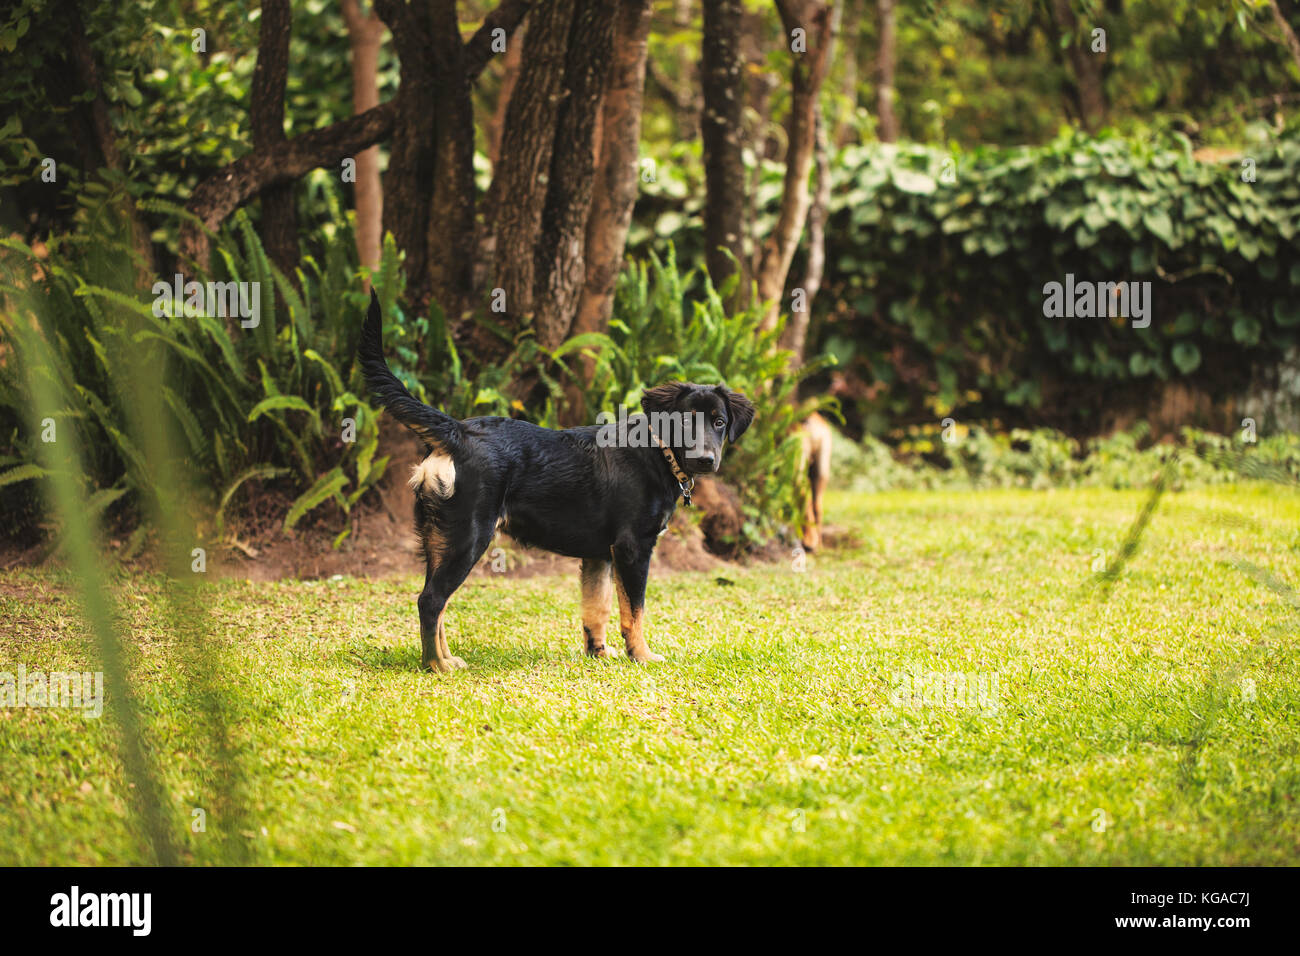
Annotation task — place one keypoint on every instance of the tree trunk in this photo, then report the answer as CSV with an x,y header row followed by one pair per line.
x,y
617,179
887,120
1085,65
795,335
721,129
808,71
519,187
266,112
845,120
561,260
411,188
510,76
683,91
366,36
408,183
764,139
429,187
451,226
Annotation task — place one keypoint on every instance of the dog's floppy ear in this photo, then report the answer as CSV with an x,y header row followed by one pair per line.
x,y
740,412
662,398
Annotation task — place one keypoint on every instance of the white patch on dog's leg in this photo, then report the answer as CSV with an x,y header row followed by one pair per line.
x,y
436,475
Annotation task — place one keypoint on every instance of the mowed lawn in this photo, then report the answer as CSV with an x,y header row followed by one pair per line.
x,y
1159,725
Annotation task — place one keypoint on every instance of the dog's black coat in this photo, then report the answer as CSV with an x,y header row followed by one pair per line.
x,y
553,489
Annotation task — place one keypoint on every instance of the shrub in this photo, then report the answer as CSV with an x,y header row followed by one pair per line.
x,y
936,263
242,405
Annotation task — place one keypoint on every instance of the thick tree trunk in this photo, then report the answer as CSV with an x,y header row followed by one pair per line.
x,y
366,36
617,179
266,112
722,131
886,118
519,187
808,71
561,262
450,239
1085,66
429,187
408,183
412,113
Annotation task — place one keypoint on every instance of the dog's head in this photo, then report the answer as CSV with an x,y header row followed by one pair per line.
x,y
695,420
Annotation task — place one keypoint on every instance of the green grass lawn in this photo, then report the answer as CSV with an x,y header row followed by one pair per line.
x,y
1156,726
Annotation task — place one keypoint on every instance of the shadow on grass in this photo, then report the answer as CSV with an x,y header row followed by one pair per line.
x,y
481,658
1228,685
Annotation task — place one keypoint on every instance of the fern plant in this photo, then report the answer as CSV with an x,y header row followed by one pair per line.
x,y
278,401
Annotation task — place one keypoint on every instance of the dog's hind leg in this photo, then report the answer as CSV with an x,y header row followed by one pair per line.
x,y
597,594
631,567
433,606
446,567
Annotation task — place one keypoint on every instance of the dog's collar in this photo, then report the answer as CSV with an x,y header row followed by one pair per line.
x,y
684,481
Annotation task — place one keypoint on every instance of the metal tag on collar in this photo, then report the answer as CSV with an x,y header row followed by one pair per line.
x,y
687,488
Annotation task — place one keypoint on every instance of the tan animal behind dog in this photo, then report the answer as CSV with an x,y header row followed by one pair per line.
x,y
816,433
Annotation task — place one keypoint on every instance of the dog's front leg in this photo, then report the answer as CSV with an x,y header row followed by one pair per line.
x,y
631,567
597,595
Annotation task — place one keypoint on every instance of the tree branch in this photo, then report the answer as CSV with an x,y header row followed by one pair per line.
x,y
226,190
478,50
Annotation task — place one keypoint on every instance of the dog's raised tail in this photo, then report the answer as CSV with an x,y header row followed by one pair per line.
x,y
436,429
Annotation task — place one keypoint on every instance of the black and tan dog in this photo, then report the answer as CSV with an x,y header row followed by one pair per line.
x,y
560,490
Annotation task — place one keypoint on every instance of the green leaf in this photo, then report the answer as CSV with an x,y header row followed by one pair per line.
x,y
1246,330
22,473
277,402
1160,225
336,383
257,471
100,501
325,488
1286,313
908,181
1186,356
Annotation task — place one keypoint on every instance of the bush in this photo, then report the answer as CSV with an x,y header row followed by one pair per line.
x,y
936,265
238,405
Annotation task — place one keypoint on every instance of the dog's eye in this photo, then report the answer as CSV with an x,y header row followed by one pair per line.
x,y
719,424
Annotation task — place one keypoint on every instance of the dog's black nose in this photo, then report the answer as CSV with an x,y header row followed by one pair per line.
x,y
710,462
